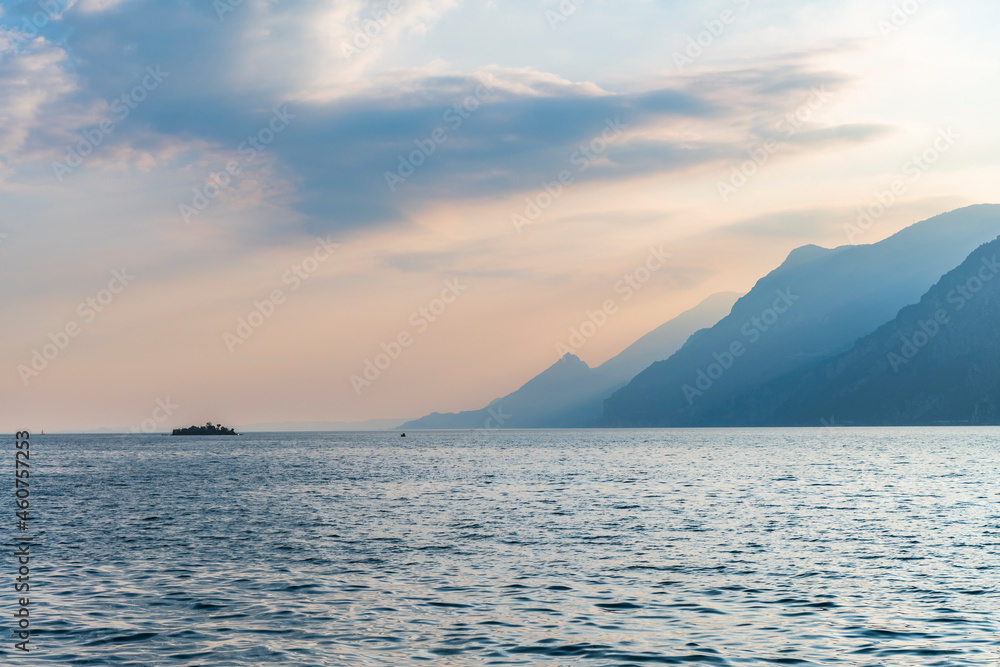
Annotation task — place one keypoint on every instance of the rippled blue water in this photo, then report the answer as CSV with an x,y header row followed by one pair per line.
x,y
731,547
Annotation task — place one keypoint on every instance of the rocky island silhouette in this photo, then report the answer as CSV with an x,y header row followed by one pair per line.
x,y
208,429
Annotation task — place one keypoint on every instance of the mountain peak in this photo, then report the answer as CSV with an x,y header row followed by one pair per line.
x,y
826,301
571,394
569,362
936,362
804,254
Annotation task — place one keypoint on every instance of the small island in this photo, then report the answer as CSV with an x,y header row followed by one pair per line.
x,y
207,429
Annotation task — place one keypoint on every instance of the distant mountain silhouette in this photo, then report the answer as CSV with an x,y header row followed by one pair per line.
x,y
570,393
667,338
811,308
937,362
316,426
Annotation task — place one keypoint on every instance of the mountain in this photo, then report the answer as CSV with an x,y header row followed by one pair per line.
x,y
812,307
558,397
279,427
937,362
570,393
667,338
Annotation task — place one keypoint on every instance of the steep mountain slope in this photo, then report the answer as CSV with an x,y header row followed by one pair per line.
x,y
570,393
552,399
667,338
938,361
812,307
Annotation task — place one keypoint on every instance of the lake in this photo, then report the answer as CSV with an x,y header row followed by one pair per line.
x,y
831,546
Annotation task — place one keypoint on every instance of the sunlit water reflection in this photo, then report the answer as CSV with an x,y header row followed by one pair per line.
x,y
731,547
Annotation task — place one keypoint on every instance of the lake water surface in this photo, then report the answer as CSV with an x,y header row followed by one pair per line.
x,y
633,547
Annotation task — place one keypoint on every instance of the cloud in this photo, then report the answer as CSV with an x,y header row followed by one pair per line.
x,y
93,6
842,134
529,129
372,146
33,79
795,224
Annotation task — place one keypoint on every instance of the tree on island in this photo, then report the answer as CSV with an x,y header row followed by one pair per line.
x,y
208,429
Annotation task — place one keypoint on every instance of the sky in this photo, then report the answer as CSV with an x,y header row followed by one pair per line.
x,y
260,211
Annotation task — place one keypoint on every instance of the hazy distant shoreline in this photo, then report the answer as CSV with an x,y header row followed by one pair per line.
x,y
397,429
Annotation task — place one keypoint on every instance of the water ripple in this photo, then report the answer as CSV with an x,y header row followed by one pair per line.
x,y
866,547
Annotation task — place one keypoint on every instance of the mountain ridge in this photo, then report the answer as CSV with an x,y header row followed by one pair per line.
x,y
937,361
832,299
571,394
